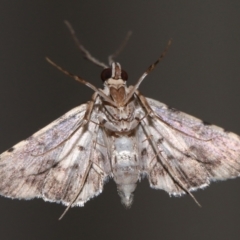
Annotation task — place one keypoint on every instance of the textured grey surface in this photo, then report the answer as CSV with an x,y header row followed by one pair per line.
x,y
200,75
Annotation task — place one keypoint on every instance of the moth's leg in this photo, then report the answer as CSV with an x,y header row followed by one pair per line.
x,y
108,143
86,117
83,122
89,109
149,69
97,168
145,104
84,51
81,80
164,162
151,113
95,165
80,188
89,166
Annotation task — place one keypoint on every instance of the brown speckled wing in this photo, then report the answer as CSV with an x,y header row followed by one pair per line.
x,y
47,165
196,152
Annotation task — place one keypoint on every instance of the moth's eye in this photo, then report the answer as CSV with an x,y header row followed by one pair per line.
x,y
124,75
106,74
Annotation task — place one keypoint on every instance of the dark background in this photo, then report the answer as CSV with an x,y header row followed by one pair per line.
x,y
200,75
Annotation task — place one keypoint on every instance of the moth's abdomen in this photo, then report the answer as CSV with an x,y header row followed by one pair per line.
x,y
125,168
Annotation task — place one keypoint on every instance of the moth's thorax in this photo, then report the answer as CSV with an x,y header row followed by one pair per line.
x,y
121,119
124,117
115,83
117,90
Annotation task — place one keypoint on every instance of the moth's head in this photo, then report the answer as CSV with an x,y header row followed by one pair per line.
x,y
114,74
115,79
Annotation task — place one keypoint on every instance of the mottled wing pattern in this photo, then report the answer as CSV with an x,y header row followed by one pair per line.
x,y
47,165
196,152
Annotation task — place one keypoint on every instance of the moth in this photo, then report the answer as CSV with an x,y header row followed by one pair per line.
x,y
118,134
